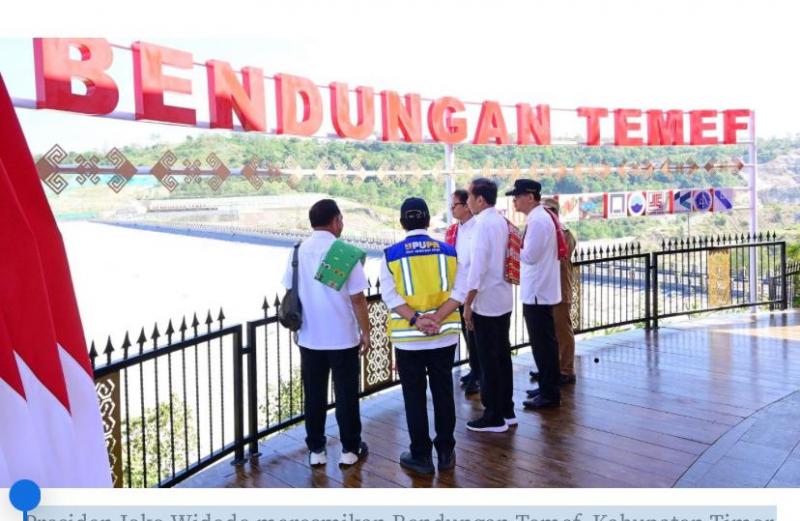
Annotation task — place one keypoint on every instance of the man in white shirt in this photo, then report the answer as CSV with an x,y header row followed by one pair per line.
x,y
460,236
488,308
423,284
329,338
540,289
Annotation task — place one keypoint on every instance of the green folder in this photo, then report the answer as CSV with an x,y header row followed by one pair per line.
x,y
338,263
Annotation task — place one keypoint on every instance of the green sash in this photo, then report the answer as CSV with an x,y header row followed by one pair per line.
x,y
338,263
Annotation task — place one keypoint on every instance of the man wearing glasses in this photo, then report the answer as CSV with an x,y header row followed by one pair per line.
x,y
460,235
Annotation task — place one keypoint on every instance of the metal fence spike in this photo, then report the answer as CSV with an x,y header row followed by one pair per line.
x,y
92,354
169,332
126,344
156,335
142,340
108,350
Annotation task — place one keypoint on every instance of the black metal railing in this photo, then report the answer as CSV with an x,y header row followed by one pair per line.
x,y
700,275
619,278
175,402
169,400
792,288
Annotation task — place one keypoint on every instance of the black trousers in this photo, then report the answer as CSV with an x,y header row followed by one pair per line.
x,y
542,332
316,365
494,351
412,367
472,348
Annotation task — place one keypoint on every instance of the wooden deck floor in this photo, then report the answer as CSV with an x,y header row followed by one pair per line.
x,y
713,402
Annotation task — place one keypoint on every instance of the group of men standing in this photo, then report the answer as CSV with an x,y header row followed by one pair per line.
x,y
434,290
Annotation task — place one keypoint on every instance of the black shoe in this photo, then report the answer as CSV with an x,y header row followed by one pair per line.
x,y
418,465
466,378
567,379
534,375
541,403
532,393
447,461
483,424
472,388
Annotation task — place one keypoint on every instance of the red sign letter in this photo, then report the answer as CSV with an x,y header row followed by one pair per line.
x,y
55,71
491,125
730,125
664,130
622,126
226,94
150,83
287,88
530,128
444,128
396,117
698,126
340,111
592,115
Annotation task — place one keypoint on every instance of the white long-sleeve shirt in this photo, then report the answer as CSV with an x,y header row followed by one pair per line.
x,y
487,265
540,275
392,299
464,238
329,321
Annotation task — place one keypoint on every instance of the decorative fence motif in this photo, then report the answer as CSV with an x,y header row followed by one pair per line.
x,y
175,402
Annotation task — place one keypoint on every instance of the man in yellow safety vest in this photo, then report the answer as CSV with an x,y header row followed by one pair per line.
x,y
423,286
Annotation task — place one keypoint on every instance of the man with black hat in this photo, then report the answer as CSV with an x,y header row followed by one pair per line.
x,y
422,284
540,288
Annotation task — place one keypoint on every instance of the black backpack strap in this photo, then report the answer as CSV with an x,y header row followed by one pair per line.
x,y
295,263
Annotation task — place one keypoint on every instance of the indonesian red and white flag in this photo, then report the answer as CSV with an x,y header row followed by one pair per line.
x,y
52,430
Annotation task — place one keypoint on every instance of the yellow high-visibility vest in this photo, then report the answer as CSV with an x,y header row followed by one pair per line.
x,y
424,271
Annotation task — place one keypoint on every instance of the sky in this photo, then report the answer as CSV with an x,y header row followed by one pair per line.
x,y
677,54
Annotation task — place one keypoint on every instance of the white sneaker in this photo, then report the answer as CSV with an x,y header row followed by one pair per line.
x,y
351,458
511,421
317,458
348,458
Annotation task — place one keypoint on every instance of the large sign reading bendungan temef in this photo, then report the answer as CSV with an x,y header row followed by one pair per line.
x,y
299,106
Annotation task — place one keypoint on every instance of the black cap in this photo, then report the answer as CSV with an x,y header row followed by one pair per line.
x,y
414,208
525,186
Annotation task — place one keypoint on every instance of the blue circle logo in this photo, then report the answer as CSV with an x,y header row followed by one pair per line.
x,y
25,495
636,204
702,201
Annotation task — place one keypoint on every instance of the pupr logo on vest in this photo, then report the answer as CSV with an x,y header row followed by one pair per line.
x,y
427,245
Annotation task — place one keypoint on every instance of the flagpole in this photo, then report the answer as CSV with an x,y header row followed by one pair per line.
x,y
752,159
